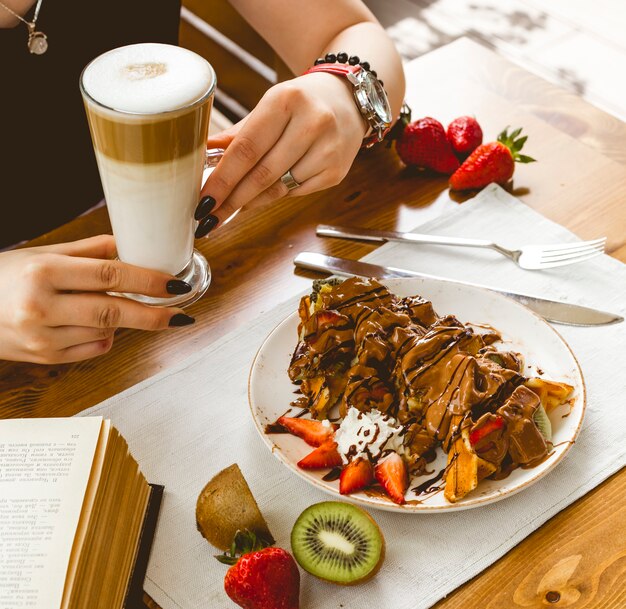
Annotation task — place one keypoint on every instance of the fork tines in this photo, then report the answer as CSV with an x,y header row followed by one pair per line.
x,y
560,255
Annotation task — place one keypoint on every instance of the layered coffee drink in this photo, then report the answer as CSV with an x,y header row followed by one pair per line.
x,y
148,107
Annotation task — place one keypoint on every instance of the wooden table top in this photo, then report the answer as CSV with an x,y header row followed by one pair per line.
x,y
577,558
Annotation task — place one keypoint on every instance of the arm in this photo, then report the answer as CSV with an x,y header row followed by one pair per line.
x,y
309,125
302,30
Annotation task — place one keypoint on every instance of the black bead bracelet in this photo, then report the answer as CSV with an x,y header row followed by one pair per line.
x,y
343,57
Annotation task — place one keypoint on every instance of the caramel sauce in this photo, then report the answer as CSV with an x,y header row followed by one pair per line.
x,y
563,443
570,404
301,403
377,493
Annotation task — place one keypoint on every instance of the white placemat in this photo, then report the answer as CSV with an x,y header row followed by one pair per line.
x,y
188,422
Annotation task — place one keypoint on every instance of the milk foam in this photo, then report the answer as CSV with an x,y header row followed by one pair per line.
x,y
148,78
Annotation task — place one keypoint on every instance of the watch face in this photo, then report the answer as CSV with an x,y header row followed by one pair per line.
x,y
377,97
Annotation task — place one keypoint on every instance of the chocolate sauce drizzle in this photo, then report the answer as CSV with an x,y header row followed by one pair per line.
x,y
429,486
332,475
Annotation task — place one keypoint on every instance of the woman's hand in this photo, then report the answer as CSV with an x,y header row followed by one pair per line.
x,y
53,305
309,125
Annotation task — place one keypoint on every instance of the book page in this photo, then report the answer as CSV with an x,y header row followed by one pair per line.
x,y
44,470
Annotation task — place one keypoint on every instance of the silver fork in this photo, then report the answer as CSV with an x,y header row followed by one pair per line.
x,y
530,257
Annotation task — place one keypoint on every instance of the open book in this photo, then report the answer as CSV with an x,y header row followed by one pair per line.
x,y
77,516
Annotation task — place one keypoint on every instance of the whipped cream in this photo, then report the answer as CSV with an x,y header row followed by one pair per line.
x,y
368,434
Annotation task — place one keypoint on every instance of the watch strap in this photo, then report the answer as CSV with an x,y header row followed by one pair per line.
x,y
339,69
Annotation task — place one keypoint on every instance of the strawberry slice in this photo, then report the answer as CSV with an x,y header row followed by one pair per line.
x,y
393,476
357,475
491,425
322,320
327,317
312,432
322,457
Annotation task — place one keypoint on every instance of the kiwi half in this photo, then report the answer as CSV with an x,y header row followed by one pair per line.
x,y
338,542
226,505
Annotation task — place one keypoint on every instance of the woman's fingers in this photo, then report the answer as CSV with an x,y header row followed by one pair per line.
x,y
102,246
81,352
96,317
322,167
103,311
262,129
292,146
306,172
224,138
313,145
219,140
67,273
63,337
53,345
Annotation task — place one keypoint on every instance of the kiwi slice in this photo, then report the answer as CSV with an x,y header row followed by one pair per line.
x,y
542,421
338,542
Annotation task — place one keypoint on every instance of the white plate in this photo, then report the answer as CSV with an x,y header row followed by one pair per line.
x,y
270,391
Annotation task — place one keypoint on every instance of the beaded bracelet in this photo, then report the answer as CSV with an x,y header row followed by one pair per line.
x,y
343,57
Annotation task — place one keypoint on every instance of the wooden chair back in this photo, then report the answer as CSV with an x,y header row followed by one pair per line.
x,y
246,66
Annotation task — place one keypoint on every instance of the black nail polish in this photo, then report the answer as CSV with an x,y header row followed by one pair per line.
x,y
205,207
180,319
206,226
177,286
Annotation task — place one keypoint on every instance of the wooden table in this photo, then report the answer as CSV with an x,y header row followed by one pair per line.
x,y
578,558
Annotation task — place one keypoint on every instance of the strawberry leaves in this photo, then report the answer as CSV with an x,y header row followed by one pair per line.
x,y
515,143
244,542
403,120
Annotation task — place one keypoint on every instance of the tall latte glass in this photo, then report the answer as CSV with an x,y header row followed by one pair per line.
x,y
148,107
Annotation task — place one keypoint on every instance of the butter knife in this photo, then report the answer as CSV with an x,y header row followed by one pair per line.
x,y
551,310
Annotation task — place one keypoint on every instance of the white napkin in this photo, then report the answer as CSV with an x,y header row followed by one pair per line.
x,y
186,423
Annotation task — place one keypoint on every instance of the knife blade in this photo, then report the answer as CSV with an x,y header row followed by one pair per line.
x,y
551,310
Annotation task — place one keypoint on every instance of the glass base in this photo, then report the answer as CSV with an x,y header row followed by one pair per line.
x,y
197,274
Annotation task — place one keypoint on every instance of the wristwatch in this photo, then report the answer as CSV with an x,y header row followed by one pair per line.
x,y
369,95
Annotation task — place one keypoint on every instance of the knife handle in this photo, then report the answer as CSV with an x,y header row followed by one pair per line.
x,y
367,234
312,262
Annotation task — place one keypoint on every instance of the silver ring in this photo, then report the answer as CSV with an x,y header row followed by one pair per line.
x,y
289,181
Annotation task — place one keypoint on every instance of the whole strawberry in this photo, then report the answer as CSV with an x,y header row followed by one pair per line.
x,y
492,162
465,135
423,143
260,577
